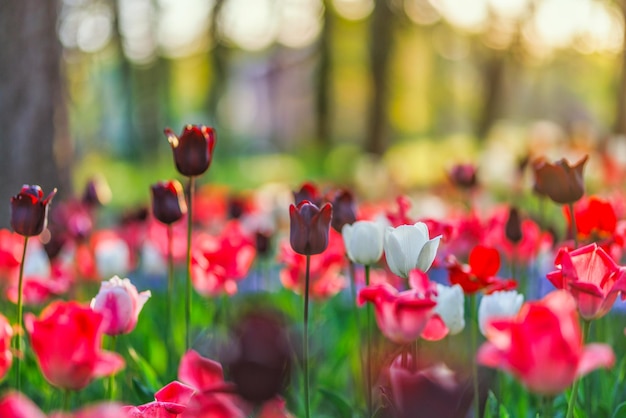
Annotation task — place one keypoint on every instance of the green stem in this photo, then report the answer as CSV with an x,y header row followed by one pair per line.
x,y
573,224
359,379
474,337
305,347
20,307
170,288
370,408
188,281
111,387
574,395
66,399
546,407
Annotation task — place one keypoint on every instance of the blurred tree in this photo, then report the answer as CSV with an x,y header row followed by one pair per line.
x,y
35,143
380,49
219,57
324,89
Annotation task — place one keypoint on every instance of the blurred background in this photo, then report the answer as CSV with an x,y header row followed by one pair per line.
x,y
359,92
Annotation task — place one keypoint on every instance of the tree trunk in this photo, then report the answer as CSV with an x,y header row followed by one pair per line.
x,y
380,47
34,143
620,117
324,81
493,83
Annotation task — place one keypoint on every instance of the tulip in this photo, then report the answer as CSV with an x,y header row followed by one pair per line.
x,y
168,201
542,345
480,273
451,307
364,242
29,211
591,276
560,181
17,405
309,227
463,176
513,226
431,392
112,255
310,192
66,339
344,210
97,192
408,247
119,301
6,356
193,150
501,304
401,316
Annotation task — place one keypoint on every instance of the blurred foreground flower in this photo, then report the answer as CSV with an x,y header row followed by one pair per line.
x,y
120,303
409,247
542,345
6,356
500,304
29,210
591,276
193,150
66,339
561,182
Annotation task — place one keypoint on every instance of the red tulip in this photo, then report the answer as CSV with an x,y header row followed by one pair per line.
x,y
542,345
401,316
560,181
591,276
66,339
309,227
193,150
595,218
6,356
480,273
17,405
29,210
168,201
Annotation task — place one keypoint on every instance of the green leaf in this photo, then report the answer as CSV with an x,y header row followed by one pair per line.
x,y
341,406
620,411
143,393
148,376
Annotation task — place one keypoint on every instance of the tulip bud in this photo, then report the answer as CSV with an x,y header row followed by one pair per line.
x,y
559,181
310,192
29,210
97,192
463,176
344,210
119,301
193,150
501,304
513,227
309,227
168,201
408,247
364,242
263,242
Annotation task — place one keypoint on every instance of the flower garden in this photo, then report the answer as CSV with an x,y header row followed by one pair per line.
x,y
310,302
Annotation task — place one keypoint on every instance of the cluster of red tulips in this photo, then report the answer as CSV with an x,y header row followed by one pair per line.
x,y
419,279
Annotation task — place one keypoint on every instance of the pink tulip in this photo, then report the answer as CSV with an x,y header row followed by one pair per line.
x,y
66,339
542,345
102,410
592,277
17,405
169,402
6,357
401,316
120,303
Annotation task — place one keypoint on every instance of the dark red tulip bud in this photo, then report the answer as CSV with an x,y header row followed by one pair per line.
x,y
261,366
310,192
29,211
97,192
236,207
193,150
263,243
561,182
309,227
513,227
344,210
168,201
463,175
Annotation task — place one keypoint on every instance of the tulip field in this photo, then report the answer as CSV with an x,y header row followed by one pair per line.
x,y
307,300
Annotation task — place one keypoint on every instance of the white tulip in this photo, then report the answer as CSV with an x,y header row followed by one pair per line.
x,y
451,307
363,241
501,304
37,262
408,247
112,257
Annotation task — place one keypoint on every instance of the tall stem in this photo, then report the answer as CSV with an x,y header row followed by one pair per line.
x,y
474,337
362,360
572,217
305,347
574,395
188,281
20,307
170,287
66,400
370,409
112,375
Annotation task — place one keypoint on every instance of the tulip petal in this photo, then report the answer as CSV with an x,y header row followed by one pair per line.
x,y
428,253
595,356
108,363
435,329
200,372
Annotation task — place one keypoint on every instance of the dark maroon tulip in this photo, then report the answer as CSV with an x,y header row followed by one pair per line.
x,y
193,150
560,181
463,175
344,209
263,241
513,226
97,192
310,192
168,201
29,211
309,227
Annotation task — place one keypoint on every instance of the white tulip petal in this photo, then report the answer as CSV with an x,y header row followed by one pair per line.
x,y
450,307
428,254
501,304
396,259
423,228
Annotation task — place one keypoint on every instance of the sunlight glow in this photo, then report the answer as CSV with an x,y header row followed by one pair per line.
x,y
469,15
182,26
300,22
353,9
253,25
